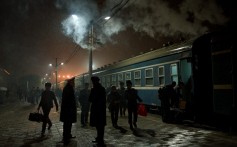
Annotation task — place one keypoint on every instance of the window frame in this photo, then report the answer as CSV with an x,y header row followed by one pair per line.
x,y
129,76
120,80
113,80
174,75
137,78
108,81
149,77
162,75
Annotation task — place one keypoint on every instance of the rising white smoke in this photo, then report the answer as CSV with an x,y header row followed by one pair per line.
x,y
154,17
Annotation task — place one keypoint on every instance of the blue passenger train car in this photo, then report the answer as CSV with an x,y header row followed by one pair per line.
x,y
206,65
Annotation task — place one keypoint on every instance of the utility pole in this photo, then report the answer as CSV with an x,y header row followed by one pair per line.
x,y
56,71
91,41
91,47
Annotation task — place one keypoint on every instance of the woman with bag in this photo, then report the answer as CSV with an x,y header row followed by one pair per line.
x,y
46,103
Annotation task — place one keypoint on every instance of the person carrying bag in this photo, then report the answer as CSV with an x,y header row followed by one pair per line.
x,y
46,103
36,116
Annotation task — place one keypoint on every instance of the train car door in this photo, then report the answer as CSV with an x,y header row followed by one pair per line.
x,y
185,76
222,74
185,70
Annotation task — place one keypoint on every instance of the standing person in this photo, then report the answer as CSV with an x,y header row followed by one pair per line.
x,y
171,93
123,101
98,110
167,96
114,100
37,95
20,93
32,95
85,104
46,102
68,114
132,97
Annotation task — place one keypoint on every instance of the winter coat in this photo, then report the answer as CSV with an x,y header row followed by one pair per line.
x,y
113,99
123,101
47,98
98,106
84,100
68,106
132,97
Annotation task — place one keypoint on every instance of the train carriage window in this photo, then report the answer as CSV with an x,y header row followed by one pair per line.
x,y
103,81
114,80
137,78
161,75
149,76
120,77
108,82
128,76
174,72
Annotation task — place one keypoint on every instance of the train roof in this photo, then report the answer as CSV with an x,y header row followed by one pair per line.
x,y
164,51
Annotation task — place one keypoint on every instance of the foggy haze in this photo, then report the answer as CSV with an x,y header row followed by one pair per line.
x,y
34,33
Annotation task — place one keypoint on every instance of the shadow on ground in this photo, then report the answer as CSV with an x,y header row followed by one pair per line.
x,y
144,132
29,142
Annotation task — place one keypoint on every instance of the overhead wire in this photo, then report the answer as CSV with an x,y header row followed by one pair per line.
x,y
72,54
117,5
116,9
121,4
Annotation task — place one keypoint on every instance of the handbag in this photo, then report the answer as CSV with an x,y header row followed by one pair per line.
x,y
36,116
141,110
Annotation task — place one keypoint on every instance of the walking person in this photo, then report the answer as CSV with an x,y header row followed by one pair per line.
x,y
123,101
114,100
132,97
98,110
46,103
68,114
85,104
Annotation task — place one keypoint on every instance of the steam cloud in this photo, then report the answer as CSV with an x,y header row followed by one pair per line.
x,y
153,17
29,28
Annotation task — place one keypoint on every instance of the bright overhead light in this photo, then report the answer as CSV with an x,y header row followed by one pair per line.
x,y
107,17
75,17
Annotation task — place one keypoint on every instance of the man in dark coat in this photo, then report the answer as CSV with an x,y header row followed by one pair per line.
x,y
46,103
98,109
132,98
123,101
114,98
85,104
167,95
68,113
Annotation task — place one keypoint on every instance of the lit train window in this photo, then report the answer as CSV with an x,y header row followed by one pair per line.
x,y
174,72
128,76
120,77
114,80
149,76
137,78
161,75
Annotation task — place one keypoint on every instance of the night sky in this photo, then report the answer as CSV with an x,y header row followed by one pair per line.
x,y
36,32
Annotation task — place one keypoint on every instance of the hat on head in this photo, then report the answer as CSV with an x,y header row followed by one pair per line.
x,y
95,79
129,82
121,83
48,84
71,80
